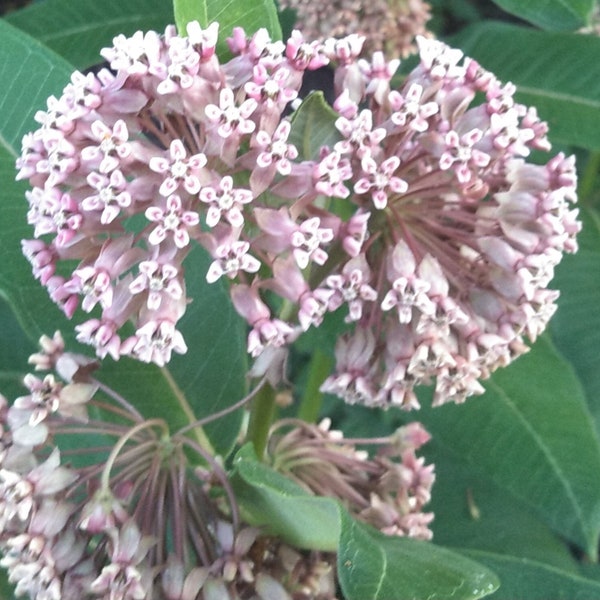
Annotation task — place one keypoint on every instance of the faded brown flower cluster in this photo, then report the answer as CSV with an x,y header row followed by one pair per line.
x,y
390,26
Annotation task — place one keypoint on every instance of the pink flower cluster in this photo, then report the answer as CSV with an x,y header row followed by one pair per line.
x,y
388,491
421,219
124,511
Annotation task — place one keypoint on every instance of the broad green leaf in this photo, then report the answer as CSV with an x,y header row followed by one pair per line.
x,y
471,511
378,567
251,16
525,579
576,324
555,15
208,378
29,73
6,589
313,126
189,10
79,30
534,436
15,348
556,72
270,500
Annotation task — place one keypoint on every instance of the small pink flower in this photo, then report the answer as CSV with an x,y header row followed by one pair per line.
x,y
231,258
379,179
275,150
229,118
158,280
112,146
111,195
155,341
174,221
225,201
179,170
329,175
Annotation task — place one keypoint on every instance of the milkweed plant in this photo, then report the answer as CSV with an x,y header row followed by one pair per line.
x,y
309,295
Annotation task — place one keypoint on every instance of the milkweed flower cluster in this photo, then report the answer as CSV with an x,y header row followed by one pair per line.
x,y
420,216
388,491
127,514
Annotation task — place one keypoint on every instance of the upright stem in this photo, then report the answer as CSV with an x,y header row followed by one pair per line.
x,y
198,433
261,417
310,404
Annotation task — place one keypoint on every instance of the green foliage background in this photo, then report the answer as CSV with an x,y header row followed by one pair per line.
x,y
518,470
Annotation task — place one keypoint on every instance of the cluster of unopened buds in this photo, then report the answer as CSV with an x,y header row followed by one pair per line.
x,y
98,502
388,491
420,217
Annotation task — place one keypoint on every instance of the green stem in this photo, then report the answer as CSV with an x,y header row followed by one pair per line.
x,y
312,398
198,432
261,417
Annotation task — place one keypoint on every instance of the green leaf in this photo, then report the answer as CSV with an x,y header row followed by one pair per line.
x,y
313,126
378,567
6,589
525,579
211,376
471,511
576,324
370,565
29,73
270,500
229,14
189,10
534,436
15,348
79,30
542,65
252,16
555,15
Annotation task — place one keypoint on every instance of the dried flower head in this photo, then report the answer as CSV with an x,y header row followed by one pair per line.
x,y
390,26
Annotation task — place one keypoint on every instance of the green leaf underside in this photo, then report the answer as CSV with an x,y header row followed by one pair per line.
x,y
313,126
555,72
203,381
576,324
555,15
532,433
378,567
525,579
79,30
271,500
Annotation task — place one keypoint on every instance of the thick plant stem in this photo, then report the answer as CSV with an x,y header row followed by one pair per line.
x,y
310,405
261,417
